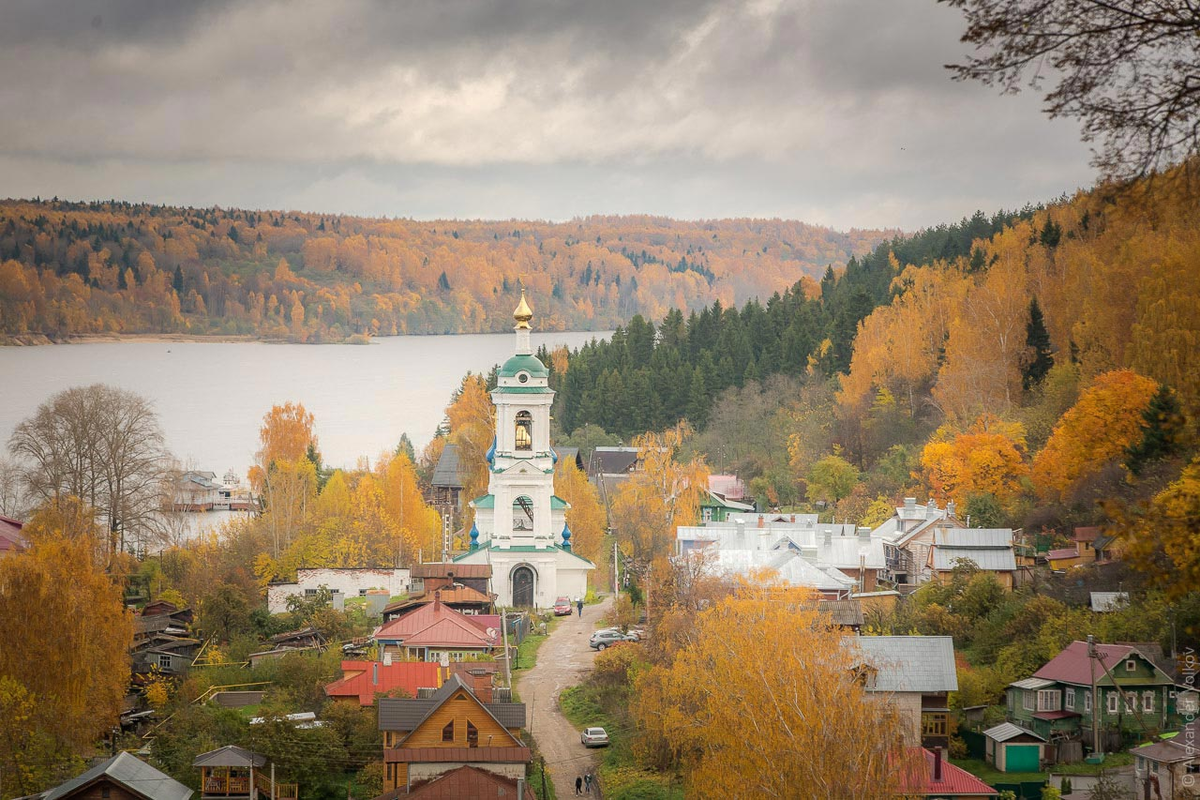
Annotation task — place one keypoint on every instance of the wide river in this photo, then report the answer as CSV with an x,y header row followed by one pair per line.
x,y
211,397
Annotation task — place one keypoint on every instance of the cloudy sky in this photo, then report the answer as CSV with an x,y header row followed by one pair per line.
x,y
830,111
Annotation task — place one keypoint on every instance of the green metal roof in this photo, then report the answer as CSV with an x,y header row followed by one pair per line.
x,y
491,545
557,502
523,389
486,501
530,364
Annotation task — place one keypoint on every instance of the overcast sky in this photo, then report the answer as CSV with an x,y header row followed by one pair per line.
x,y
836,112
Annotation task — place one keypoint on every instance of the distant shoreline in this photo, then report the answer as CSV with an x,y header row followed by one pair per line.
x,y
38,339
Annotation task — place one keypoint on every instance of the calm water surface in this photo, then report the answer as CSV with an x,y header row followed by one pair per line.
x,y
211,397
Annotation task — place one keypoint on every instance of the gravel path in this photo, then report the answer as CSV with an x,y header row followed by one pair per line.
x,y
562,661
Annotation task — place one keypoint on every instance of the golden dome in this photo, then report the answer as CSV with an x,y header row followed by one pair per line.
x,y
523,313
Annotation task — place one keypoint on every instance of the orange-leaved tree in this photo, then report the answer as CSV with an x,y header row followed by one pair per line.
x,y
765,700
987,458
659,495
472,427
585,517
419,524
61,585
284,473
1164,541
1102,424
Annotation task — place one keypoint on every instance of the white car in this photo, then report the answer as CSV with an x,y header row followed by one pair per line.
x,y
594,737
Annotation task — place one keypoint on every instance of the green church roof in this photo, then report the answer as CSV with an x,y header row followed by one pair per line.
x,y
530,364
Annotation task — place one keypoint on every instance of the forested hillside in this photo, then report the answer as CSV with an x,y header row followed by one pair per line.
x,y
86,268
1041,369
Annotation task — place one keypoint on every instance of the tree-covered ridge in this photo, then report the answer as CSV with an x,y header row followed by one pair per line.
x,y
648,377
77,268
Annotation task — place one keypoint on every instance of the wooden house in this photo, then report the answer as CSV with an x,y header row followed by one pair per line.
x,y
988,549
1169,769
1115,685
916,674
463,599
363,681
460,724
435,630
11,538
935,777
122,777
234,773
434,575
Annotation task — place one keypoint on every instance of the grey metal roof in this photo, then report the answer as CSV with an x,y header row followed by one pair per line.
x,y
1109,601
611,460
974,537
510,715
910,663
1006,730
402,713
132,773
998,559
448,471
229,756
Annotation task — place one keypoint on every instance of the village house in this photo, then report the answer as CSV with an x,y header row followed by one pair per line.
x,y
834,559
195,490
908,537
234,773
462,599
11,539
363,681
1169,769
342,582
438,574
435,632
916,674
989,549
161,641
937,778
122,777
465,723
1090,546
1116,687
446,483
303,640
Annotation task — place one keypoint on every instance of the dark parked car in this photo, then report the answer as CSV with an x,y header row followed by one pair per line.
x,y
603,638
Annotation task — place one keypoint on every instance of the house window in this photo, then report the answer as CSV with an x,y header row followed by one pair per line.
x,y
1047,700
362,592
1087,702
1070,699
448,732
1113,703
164,661
1148,702
1027,700
310,592
1130,702
1130,665
524,431
933,724
472,735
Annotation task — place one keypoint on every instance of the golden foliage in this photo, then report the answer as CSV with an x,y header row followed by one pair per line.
x,y
661,494
1164,541
1105,421
988,458
472,420
763,701
57,599
585,517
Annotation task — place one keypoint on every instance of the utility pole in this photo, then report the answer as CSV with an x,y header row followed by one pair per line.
x,y
1097,747
507,655
616,569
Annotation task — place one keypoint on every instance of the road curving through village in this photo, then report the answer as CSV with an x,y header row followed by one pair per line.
x,y
562,661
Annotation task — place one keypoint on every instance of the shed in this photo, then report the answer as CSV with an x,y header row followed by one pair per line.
x,y
1014,749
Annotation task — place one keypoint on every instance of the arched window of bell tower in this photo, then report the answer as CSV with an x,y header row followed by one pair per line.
x,y
524,431
523,514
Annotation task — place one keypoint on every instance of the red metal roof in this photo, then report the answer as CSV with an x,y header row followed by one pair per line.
x,y
10,534
1072,665
365,679
955,781
440,569
1066,552
456,628
422,755
469,783
1086,534
1056,714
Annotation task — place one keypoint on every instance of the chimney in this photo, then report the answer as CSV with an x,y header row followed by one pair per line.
x,y
482,685
793,519
437,600
829,537
864,533
937,764
931,509
910,504
375,674
950,509
761,521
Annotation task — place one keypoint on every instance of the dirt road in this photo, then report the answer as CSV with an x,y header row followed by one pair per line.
x,y
562,661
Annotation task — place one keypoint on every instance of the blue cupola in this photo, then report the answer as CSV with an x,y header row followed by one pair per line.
x,y
474,537
566,534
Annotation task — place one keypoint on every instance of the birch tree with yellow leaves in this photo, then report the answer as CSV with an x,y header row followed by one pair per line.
x,y
765,700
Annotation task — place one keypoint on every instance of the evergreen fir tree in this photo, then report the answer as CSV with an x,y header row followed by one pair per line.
x,y
1037,340
1162,431
177,283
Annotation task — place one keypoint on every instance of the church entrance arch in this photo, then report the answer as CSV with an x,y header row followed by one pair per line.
x,y
523,578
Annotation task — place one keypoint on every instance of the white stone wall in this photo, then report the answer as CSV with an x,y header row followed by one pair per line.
x,y
349,582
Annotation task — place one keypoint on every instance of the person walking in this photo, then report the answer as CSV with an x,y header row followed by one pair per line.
x,y
578,785
579,605
587,782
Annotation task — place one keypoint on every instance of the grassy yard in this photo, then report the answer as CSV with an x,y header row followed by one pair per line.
x,y
527,650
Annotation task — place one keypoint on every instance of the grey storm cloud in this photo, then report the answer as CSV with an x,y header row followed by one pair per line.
x,y
837,112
